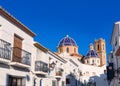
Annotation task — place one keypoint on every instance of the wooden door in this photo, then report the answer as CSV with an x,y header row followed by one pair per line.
x,y
17,50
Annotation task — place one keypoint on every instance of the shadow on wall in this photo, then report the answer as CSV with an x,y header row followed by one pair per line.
x,y
96,81
71,80
101,80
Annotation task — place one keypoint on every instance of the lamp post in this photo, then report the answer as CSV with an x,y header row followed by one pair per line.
x,y
52,67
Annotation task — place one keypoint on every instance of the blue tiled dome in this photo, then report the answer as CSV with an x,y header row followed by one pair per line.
x,y
67,41
91,52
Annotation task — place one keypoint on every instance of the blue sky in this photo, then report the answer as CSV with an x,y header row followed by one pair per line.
x,y
51,20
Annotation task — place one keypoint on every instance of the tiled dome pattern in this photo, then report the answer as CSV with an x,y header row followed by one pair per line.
x,y
92,53
67,41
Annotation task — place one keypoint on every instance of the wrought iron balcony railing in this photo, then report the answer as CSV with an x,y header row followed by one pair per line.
x,y
5,50
41,66
21,56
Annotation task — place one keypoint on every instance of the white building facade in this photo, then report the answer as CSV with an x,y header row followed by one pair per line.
x,y
114,57
16,42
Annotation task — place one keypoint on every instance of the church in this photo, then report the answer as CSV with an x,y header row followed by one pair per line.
x,y
95,56
92,66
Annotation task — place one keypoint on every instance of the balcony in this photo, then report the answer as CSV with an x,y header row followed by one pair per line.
x,y
21,58
58,72
41,68
5,51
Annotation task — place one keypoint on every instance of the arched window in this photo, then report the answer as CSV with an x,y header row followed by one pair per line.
x,y
87,61
67,50
74,50
103,47
98,46
92,61
60,50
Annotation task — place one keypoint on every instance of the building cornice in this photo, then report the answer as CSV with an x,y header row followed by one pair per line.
x,y
17,23
38,45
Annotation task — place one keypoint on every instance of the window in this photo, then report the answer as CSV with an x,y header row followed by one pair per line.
x,y
5,49
87,61
74,50
16,81
63,83
41,66
103,47
92,61
116,41
60,50
54,83
18,41
67,81
98,46
34,82
67,50
41,82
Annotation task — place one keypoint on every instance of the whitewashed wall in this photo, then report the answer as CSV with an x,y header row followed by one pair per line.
x,y
7,31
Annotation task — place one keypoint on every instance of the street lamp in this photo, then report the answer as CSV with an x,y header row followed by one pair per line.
x,y
52,65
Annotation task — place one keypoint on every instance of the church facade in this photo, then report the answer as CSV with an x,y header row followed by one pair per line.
x,y
95,56
91,67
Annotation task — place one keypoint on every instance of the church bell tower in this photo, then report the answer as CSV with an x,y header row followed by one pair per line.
x,y
100,48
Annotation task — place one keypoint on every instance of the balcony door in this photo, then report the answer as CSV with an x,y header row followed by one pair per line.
x,y
17,52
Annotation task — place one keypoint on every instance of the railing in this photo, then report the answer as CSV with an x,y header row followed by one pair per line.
x,y
21,56
41,66
59,71
5,50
